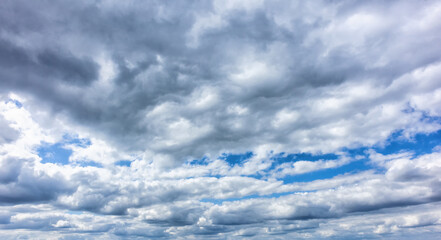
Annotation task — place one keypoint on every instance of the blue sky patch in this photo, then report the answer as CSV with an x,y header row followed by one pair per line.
x,y
54,153
419,144
123,163
351,168
80,142
236,159
282,157
58,153
16,102
201,161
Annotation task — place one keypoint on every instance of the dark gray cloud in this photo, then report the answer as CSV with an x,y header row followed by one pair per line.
x,y
7,134
23,69
21,183
259,57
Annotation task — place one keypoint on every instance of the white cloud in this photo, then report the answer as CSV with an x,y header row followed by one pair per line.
x,y
173,89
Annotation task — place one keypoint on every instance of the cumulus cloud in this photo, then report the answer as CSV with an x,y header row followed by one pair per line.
x,y
252,58
226,119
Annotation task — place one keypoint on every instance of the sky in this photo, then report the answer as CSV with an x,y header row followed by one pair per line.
x,y
220,119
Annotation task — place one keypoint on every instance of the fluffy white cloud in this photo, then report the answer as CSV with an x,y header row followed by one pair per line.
x,y
179,120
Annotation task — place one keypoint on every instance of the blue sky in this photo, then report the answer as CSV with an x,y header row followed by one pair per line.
x,y
417,145
220,120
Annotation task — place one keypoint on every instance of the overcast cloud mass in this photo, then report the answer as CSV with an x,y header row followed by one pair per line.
x,y
220,119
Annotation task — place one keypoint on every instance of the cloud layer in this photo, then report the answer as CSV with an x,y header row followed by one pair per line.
x,y
220,119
